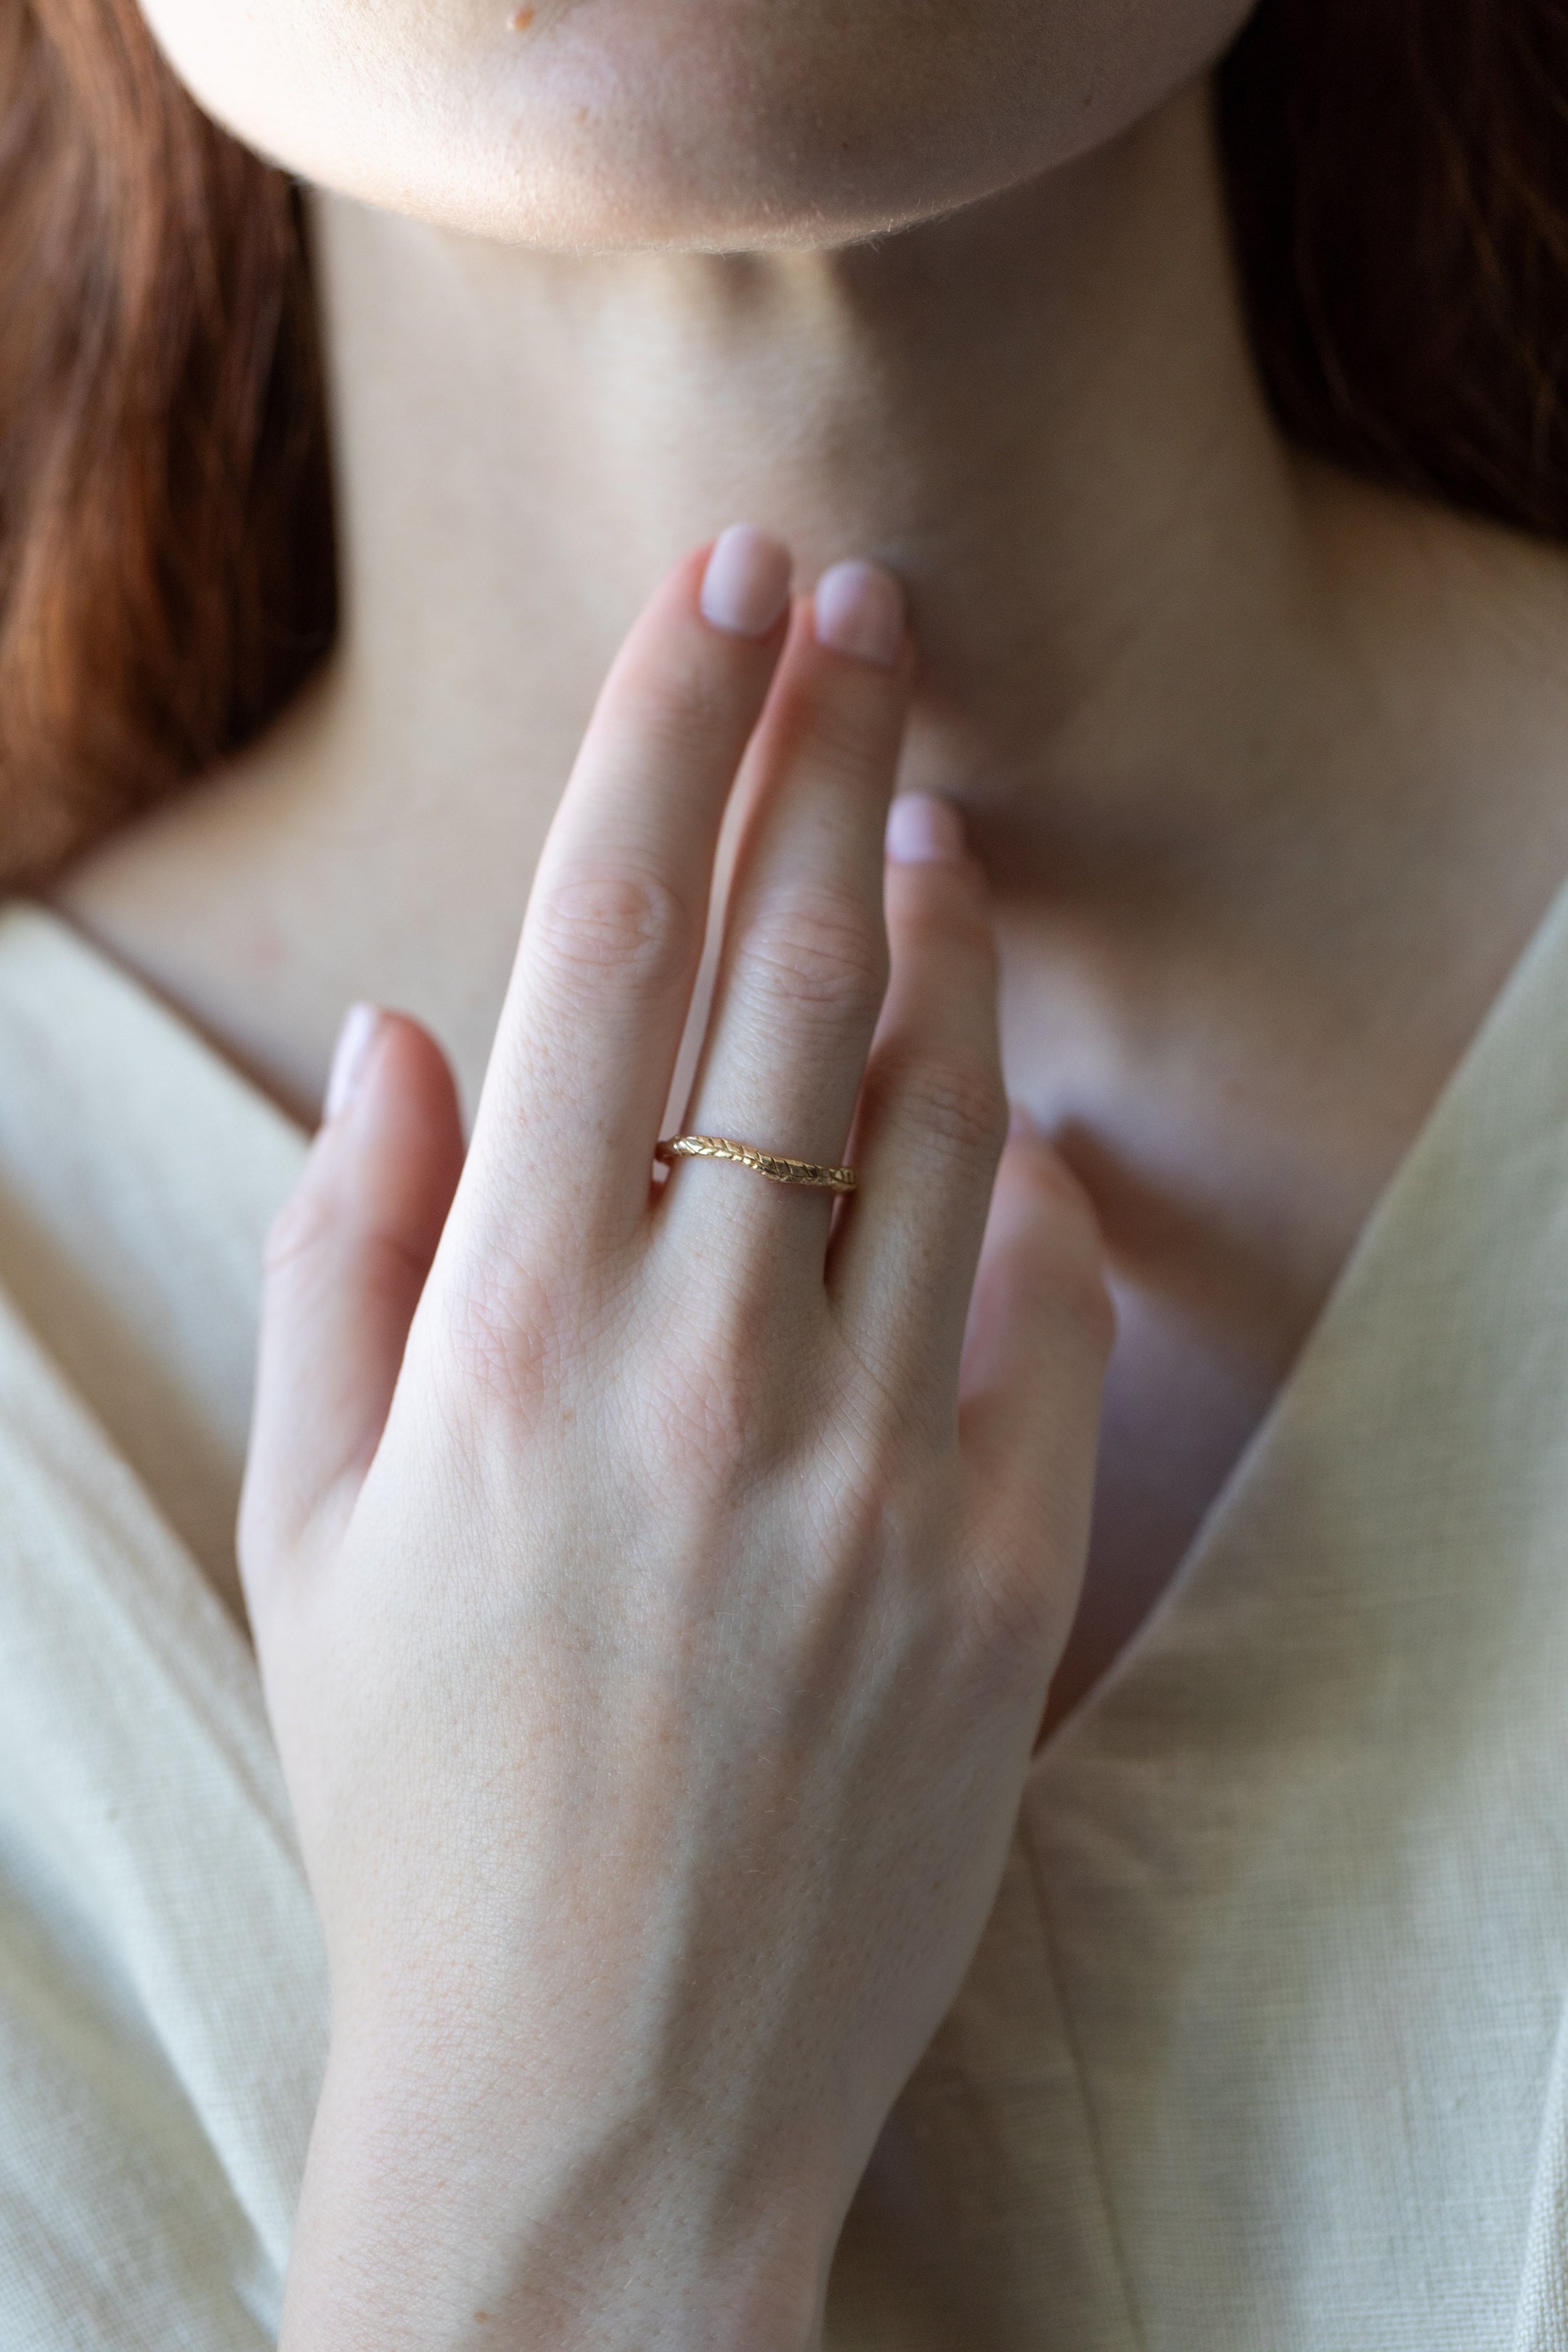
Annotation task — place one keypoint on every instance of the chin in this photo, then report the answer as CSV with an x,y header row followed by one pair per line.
x,y
708,125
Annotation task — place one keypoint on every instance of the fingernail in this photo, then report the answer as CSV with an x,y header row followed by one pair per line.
x,y
350,1055
924,831
746,585
860,611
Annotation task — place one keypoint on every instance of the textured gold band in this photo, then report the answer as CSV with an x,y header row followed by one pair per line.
x,y
766,1163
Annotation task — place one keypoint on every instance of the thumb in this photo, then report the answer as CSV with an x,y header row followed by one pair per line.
x,y
346,1260
1039,1335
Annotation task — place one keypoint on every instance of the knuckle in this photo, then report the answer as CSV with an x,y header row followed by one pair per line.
x,y
958,1108
820,955
1014,1613
715,1425
500,1347
617,923
734,1380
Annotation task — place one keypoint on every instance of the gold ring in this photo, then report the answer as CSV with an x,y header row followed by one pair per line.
x,y
766,1163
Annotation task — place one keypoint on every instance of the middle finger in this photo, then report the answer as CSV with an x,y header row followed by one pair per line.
x,y
804,965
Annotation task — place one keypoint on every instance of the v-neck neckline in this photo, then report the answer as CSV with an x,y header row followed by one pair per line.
x,y
1538,961
1543,953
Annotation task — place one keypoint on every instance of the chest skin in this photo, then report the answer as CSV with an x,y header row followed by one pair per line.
x,y
1236,1098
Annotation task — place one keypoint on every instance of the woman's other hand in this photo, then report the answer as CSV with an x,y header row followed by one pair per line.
x,y
657,1587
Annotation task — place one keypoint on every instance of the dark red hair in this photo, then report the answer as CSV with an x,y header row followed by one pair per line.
x,y
1399,172
166,575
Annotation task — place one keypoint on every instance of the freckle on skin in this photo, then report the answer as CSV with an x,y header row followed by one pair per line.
x,y
520,20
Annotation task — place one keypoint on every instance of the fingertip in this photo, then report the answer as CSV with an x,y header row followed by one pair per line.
x,y
409,1080
392,1132
380,1050
406,1047
744,582
924,830
722,609
352,1055
936,904
859,609
347,1258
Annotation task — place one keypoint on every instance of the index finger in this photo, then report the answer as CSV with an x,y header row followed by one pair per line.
x,y
611,943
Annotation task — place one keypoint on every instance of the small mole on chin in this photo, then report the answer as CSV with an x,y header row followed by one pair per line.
x,y
520,20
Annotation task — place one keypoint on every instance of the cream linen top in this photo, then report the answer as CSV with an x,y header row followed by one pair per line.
x,y
1263,2050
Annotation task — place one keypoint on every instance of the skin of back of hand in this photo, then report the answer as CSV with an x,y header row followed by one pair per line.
x,y
655,1599
659,1582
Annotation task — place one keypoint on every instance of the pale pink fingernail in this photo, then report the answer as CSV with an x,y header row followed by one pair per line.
x,y
746,585
924,831
860,611
350,1056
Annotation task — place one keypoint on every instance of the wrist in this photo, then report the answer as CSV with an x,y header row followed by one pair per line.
x,y
440,2224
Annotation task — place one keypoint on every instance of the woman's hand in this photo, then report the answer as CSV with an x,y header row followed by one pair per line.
x,y
656,1591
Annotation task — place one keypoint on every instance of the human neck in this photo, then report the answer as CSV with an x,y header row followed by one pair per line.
x,y
1031,410
1039,411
